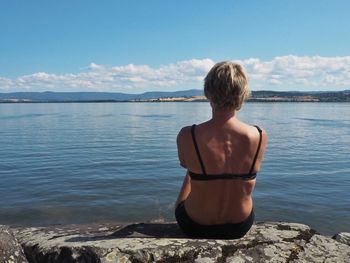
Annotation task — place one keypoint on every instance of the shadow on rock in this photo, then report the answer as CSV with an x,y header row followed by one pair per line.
x,y
142,230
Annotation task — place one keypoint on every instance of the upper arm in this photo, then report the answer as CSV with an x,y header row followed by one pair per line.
x,y
264,141
263,146
180,140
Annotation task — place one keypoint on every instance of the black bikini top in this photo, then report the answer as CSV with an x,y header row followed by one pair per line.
x,y
206,177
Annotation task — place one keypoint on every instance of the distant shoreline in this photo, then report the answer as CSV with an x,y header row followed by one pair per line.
x,y
167,100
104,101
177,96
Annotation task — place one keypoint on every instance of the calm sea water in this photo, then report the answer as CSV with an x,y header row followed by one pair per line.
x,y
96,162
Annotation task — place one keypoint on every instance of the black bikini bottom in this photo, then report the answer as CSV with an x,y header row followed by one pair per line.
x,y
222,231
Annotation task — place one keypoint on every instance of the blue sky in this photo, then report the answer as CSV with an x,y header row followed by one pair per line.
x,y
136,46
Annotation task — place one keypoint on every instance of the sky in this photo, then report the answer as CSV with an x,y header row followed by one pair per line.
x,y
157,45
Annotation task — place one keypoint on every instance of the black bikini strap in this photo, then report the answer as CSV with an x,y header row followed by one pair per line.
x,y
196,147
257,151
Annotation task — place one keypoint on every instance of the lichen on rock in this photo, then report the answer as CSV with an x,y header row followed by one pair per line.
x,y
343,237
10,250
164,242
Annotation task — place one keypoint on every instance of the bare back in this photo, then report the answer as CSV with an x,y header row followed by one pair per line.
x,y
225,148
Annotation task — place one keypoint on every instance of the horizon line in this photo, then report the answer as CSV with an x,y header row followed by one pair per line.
x,y
161,91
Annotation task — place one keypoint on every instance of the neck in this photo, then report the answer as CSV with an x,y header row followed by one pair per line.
x,y
223,115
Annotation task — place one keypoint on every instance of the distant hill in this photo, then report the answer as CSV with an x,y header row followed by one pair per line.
x,y
184,95
49,96
299,96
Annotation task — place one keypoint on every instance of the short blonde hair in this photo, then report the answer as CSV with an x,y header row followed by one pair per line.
x,y
226,86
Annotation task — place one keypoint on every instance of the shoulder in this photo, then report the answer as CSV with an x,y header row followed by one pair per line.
x,y
254,131
262,131
258,133
184,133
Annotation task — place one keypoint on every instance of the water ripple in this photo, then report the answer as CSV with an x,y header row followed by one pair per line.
x,y
71,163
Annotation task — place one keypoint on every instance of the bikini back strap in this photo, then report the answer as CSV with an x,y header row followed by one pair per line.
x,y
257,150
196,147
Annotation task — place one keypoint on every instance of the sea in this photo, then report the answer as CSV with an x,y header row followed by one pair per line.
x,y
75,163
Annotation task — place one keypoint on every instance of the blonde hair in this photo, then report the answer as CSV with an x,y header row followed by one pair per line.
x,y
226,86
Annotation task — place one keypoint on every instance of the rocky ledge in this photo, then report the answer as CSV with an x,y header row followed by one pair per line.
x,y
265,242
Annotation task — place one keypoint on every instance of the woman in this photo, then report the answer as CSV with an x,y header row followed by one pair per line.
x,y
222,157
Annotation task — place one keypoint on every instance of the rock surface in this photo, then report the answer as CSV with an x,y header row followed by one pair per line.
x,y
343,238
10,249
265,242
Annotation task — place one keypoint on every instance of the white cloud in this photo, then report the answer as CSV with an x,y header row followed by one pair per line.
x,y
308,72
280,73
